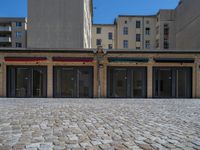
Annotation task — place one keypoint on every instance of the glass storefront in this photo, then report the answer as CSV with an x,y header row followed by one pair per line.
x,y
127,82
26,81
172,82
73,82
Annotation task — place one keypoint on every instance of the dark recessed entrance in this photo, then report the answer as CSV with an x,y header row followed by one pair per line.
x,y
73,82
26,81
172,82
127,82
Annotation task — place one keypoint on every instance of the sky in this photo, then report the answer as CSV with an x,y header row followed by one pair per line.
x,y
105,11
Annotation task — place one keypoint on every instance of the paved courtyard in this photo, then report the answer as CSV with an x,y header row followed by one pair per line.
x,y
96,124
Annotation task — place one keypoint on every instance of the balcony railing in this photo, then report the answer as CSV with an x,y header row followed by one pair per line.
x,y
5,39
5,29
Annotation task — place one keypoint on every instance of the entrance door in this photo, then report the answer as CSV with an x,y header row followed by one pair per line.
x,y
23,82
85,83
172,82
138,83
73,82
26,81
183,83
163,79
126,82
120,83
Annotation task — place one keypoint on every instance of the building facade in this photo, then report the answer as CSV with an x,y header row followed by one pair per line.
x,y
88,73
13,32
104,35
168,29
59,24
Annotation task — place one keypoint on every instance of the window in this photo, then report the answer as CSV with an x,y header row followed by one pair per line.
x,y
157,44
18,34
125,31
138,38
125,21
137,24
110,36
157,29
166,44
18,45
125,43
98,42
147,21
98,31
110,46
147,44
18,24
147,31
166,29
137,47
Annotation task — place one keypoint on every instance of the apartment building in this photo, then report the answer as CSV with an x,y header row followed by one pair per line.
x,y
168,29
104,35
13,32
59,24
136,32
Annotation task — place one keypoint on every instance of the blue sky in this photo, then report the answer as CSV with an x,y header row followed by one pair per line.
x,y
105,11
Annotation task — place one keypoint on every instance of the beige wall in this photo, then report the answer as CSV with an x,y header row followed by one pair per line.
x,y
53,24
132,31
188,24
105,29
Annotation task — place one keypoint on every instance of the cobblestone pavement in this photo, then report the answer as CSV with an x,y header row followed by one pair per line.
x,y
95,124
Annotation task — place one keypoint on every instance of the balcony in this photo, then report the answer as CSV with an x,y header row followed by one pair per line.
x,y
5,29
5,39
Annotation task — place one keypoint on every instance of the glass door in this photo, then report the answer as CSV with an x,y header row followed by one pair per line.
x,y
138,83
173,82
120,83
65,82
163,82
85,82
183,83
39,82
26,81
72,82
23,82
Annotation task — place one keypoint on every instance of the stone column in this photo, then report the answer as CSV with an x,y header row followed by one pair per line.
x,y
50,81
149,81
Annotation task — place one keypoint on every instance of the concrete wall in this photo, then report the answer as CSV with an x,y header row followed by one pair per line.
x,y
188,24
56,24
105,29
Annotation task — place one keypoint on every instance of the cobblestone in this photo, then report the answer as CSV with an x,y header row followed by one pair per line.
x,y
100,124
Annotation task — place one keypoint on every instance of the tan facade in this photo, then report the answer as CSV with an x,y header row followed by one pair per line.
x,y
63,24
129,22
101,62
13,32
103,36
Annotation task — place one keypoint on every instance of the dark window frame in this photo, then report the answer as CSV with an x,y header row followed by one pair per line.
x,y
31,68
